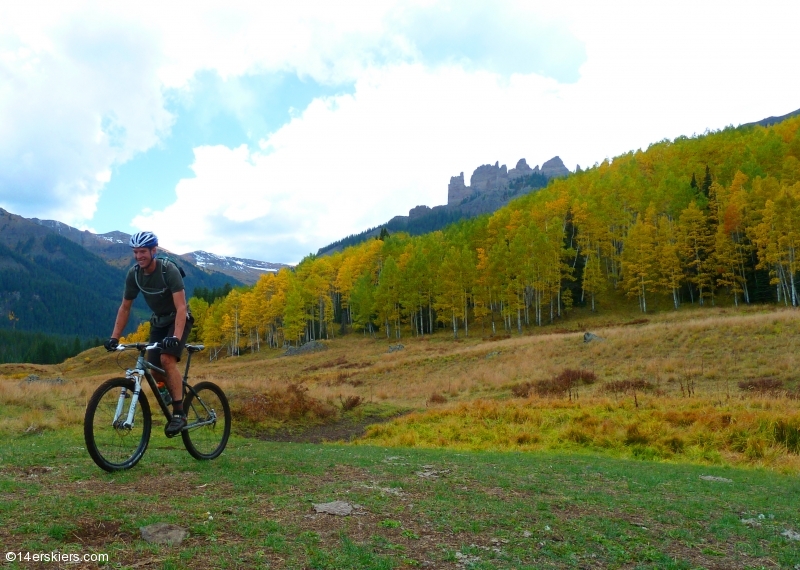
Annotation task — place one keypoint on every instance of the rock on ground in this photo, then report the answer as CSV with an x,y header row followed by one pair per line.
x,y
339,508
163,533
717,479
312,346
589,337
791,535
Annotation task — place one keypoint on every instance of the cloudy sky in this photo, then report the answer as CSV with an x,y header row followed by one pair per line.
x,y
269,129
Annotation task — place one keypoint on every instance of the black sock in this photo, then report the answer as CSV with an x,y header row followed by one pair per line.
x,y
177,407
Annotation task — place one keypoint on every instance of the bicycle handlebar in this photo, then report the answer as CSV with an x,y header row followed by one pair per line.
x,y
144,346
137,346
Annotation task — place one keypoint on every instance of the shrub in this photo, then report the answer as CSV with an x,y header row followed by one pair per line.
x,y
761,386
575,377
553,388
564,384
521,390
437,398
624,386
350,402
290,404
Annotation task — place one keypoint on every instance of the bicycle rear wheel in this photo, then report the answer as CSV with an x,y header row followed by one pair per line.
x,y
209,440
114,447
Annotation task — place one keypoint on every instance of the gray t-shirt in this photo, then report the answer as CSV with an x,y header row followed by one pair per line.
x,y
157,288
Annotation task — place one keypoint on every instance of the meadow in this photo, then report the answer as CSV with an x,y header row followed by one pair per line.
x,y
670,443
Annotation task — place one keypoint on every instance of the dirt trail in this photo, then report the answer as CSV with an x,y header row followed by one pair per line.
x,y
342,430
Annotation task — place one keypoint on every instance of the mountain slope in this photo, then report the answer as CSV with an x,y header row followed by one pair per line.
x,y
55,279
245,270
773,120
113,248
491,187
204,269
49,284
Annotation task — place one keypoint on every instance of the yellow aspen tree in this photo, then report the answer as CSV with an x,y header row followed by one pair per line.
x,y
199,309
639,259
294,314
777,238
453,282
387,297
141,334
212,329
733,222
669,270
592,246
695,249
362,304
726,264
249,319
482,292
411,266
231,321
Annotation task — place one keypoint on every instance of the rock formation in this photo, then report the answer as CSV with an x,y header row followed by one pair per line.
x,y
491,186
554,168
457,190
487,177
521,169
494,178
418,212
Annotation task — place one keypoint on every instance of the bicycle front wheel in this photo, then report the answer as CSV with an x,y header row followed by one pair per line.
x,y
112,445
209,421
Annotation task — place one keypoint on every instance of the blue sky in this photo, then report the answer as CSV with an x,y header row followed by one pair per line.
x,y
267,131
203,116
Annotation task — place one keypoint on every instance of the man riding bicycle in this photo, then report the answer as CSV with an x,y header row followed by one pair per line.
x,y
162,285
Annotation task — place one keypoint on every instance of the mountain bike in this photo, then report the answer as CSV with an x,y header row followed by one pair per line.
x,y
118,420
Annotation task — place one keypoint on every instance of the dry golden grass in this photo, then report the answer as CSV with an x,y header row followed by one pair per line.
x,y
689,355
761,433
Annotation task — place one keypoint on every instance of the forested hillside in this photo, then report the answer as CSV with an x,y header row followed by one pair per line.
x,y
39,348
54,290
440,217
52,285
712,219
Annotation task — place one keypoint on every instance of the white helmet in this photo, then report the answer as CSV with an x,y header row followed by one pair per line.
x,y
143,239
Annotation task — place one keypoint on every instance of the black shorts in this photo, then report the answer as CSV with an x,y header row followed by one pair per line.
x,y
157,334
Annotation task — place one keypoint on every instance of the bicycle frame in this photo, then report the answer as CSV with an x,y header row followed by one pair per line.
x,y
142,369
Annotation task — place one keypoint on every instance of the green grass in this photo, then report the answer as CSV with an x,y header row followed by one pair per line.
x,y
253,508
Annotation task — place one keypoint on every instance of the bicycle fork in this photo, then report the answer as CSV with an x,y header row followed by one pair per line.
x,y
128,423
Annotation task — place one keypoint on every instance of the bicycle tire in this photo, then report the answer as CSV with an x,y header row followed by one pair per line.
x,y
208,441
113,448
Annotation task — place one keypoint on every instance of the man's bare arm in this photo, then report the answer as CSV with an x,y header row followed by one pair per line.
x,y
179,299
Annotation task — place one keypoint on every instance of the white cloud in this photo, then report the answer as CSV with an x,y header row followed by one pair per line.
x,y
75,99
83,82
82,89
354,161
